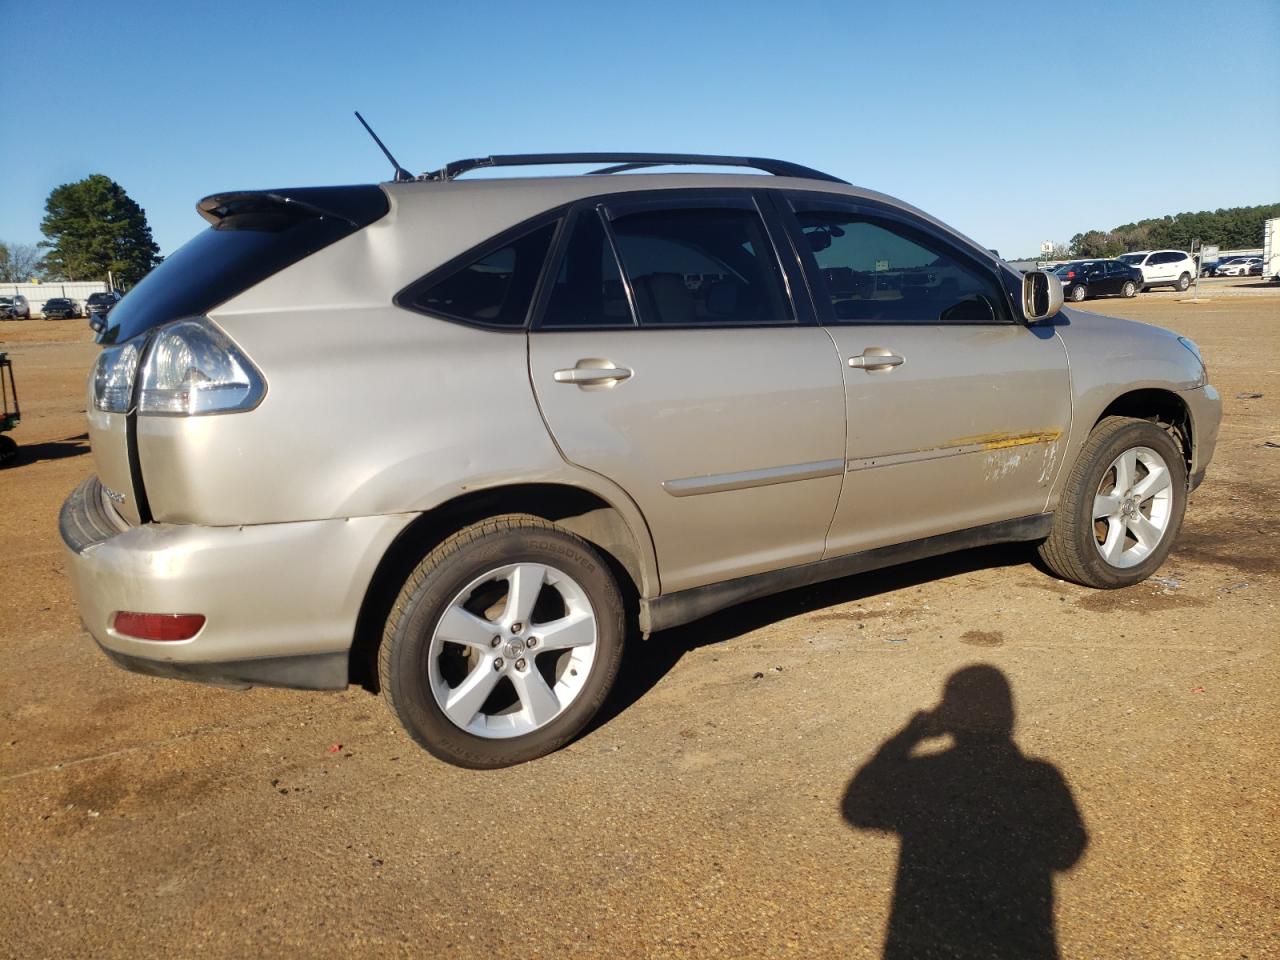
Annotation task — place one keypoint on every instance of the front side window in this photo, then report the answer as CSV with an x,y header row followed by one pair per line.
x,y
493,290
711,266
878,271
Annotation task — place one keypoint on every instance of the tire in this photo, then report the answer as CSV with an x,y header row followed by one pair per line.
x,y
1076,294
1184,281
1130,289
494,631
8,450
1073,551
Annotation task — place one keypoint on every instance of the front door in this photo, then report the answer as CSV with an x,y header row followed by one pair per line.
x,y
957,414
686,378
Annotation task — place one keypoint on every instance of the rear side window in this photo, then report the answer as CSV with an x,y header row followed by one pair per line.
x,y
712,266
492,290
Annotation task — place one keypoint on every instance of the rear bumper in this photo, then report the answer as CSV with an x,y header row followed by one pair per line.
x,y
280,600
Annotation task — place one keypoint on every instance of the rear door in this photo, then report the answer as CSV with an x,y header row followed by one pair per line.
x,y
669,357
1095,277
956,413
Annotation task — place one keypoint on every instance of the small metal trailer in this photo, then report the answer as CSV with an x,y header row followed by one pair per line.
x,y
10,415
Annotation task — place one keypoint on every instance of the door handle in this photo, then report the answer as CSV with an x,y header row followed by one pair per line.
x,y
876,358
593,372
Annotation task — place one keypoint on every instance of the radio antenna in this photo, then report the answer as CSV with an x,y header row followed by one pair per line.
x,y
401,173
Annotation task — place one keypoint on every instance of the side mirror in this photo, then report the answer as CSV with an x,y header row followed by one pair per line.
x,y
97,322
1041,295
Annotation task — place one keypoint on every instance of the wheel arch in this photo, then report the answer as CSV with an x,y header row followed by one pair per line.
x,y
576,509
1162,407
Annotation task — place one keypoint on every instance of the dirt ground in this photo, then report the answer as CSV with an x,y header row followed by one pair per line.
x,y
714,810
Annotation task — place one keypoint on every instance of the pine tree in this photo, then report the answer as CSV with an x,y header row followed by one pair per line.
x,y
94,226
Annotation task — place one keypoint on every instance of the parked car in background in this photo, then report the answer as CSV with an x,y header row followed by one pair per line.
x,y
101,302
1221,265
527,448
97,308
1082,279
1241,267
1162,268
14,307
60,308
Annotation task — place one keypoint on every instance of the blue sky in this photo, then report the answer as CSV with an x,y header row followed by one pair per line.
x,y
1014,122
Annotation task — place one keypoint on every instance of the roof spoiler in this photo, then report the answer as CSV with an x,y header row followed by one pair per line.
x,y
355,205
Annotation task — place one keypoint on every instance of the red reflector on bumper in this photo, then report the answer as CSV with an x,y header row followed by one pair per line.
x,y
158,626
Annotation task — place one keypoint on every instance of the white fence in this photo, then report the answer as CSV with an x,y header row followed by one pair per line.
x,y
38,293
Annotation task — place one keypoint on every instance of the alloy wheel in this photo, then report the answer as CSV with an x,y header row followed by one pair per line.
x,y
1133,507
512,650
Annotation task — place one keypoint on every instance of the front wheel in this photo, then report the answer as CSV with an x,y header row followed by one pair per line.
x,y
1130,289
503,644
1184,281
1076,294
1122,506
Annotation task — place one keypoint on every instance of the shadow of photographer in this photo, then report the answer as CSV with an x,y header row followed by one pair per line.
x,y
983,828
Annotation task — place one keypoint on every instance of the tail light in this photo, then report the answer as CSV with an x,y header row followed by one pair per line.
x,y
113,378
192,368
187,368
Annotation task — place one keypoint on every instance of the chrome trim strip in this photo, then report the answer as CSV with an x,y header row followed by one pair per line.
x,y
764,477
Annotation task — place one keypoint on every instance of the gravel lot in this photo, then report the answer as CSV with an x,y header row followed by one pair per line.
x,y
714,811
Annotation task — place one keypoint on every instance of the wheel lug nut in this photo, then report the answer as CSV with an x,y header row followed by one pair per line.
x,y
495,641
517,627
498,664
521,664
532,642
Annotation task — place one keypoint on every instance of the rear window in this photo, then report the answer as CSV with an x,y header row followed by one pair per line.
x,y
253,236
1133,258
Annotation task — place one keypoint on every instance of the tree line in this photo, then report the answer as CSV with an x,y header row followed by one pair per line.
x,y
92,227
1230,228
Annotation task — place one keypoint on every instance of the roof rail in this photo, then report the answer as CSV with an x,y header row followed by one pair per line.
x,y
621,162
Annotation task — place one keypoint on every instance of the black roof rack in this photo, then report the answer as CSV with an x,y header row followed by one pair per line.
x,y
621,162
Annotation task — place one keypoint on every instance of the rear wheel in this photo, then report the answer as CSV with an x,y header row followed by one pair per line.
x,y
1076,294
503,643
1122,506
1184,281
1130,289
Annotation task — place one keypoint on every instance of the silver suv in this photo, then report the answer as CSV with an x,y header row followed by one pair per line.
x,y
455,439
